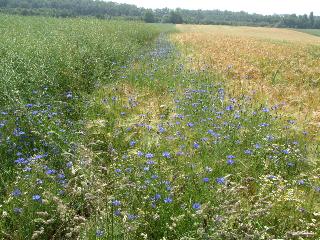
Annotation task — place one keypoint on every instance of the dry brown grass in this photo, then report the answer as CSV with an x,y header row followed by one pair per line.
x,y
275,65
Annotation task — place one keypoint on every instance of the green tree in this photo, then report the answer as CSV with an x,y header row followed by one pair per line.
x,y
311,20
173,17
3,3
149,17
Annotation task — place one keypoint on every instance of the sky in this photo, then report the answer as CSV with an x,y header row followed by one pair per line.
x,y
251,6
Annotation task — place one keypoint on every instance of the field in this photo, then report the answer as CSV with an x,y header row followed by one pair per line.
x,y
315,32
277,66
124,130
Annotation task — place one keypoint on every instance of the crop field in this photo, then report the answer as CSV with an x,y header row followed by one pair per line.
x,y
277,66
315,32
126,130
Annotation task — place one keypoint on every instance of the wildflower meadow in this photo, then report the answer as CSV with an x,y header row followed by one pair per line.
x,y
107,131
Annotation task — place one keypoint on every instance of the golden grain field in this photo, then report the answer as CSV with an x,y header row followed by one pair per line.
x,y
277,66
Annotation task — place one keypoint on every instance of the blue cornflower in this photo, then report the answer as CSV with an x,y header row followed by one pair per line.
x,y
290,164
16,192
190,124
264,124
265,109
180,153
272,177
157,197
230,162
231,157
50,172
99,233
2,124
61,176
149,155
285,151
36,198
150,162
196,145
116,203
117,212
69,95
17,210
161,129
132,143
213,133
18,132
270,137
301,182
69,164
168,200
257,146
291,121
118,170
249,152
140,154
180,116
229,108
29,105
205,179
27,169
38,157
220,180
166,154
196,206
131,217
39,181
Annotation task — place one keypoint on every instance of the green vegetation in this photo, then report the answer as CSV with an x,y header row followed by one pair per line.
x,y
315,32
49,67
106,133
107,10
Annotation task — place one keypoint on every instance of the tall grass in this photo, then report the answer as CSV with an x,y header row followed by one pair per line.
x,y
48,69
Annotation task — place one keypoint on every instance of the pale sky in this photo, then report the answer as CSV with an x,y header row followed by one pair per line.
x,y
251,6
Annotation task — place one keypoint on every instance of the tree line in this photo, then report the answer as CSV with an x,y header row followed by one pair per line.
x,y
107,10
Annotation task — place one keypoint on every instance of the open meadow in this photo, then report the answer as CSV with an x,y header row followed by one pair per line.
x,y
127,130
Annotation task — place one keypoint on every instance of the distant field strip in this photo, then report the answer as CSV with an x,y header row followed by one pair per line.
x,y
315,32
279,66
264,33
